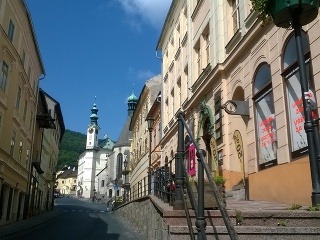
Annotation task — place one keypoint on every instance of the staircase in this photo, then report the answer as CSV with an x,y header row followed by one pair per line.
x,y
252,220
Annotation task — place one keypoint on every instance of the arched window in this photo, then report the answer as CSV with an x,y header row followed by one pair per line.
x,y
265,117
119,165
294,95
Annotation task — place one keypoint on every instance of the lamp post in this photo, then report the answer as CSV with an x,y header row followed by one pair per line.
x,y
125,163
310,126
150,128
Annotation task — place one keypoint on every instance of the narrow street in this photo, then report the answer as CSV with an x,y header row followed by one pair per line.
x,y
79,219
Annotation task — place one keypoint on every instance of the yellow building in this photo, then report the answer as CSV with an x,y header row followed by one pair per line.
x,y
25,115
216,51
67,181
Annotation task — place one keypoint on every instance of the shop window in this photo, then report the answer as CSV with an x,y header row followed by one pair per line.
x,y
291,75
265,117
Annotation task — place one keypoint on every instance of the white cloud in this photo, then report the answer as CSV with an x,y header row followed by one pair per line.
x,y
152,12
141,75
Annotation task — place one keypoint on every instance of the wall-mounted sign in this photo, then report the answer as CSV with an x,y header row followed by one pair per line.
x,y
239,148
214,154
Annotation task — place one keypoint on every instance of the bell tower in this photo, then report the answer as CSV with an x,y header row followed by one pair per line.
x,y
93,129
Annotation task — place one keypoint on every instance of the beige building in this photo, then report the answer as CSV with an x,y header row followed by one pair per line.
x,y
216,51
66,181
139,153
21,69
27,150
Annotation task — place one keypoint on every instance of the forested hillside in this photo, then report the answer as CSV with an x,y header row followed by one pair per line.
x,y
72,145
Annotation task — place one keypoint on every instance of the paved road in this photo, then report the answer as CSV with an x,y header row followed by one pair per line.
x,y
79,220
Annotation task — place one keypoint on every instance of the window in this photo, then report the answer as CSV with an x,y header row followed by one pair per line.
x,y
119,165
294,96
11,30
102,183
18,98
27,157
12,143
23,58
235,15
265,117
31,120
206,46
197,58
4,76
25,110
20,151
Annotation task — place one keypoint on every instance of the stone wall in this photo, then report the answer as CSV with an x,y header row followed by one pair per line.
x,y
145,216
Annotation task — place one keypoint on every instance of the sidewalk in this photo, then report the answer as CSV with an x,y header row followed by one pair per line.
x,y
37,220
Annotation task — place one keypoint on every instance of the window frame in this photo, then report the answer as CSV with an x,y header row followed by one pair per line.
x,y
4,75
266,140
11,28
288,73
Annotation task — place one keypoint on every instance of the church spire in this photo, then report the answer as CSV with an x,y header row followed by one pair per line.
x,y
94,115
132,103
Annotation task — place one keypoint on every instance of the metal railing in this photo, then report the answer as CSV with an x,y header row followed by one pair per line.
x,y
169,185
203,169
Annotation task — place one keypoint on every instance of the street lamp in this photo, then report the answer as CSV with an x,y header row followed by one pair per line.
x,y
150,128
125,164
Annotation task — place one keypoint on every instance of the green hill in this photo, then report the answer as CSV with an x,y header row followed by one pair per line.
x,y
72,145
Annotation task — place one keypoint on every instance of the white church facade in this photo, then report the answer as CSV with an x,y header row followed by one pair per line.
x,y
103,168
93,162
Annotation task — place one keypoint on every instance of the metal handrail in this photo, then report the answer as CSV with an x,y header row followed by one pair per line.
x,y
232,233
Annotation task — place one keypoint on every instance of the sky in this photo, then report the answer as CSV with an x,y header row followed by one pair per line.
x,y
97,51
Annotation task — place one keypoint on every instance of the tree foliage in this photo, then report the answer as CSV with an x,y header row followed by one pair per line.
x,y
72,145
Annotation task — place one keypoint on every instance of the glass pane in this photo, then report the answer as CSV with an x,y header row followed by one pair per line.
x,y
296,115
290,52
263,77
266,129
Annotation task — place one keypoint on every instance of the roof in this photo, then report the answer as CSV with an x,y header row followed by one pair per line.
x,y
125,135
132,97
69,173
106,143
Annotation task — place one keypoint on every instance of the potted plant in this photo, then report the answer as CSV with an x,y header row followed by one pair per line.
x,y
283,11
209,198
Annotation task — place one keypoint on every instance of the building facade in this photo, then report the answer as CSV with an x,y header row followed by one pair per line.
x,y
66,182
215,52
140,136
21,71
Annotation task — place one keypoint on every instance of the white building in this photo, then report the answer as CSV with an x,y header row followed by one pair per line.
x,y
93,162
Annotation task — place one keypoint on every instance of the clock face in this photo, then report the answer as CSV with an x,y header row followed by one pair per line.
x,y
91,130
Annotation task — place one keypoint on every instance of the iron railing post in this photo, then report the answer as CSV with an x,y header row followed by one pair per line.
x,y
201,220
232,233
179,158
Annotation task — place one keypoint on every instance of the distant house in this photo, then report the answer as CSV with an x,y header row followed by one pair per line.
x,y
67,180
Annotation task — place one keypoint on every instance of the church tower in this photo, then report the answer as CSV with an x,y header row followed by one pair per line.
x,y
93,129
91,155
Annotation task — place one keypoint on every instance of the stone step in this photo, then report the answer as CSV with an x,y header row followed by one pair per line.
x,y
249,233
272,218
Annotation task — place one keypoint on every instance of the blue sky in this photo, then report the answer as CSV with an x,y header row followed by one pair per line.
x,y
98,48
